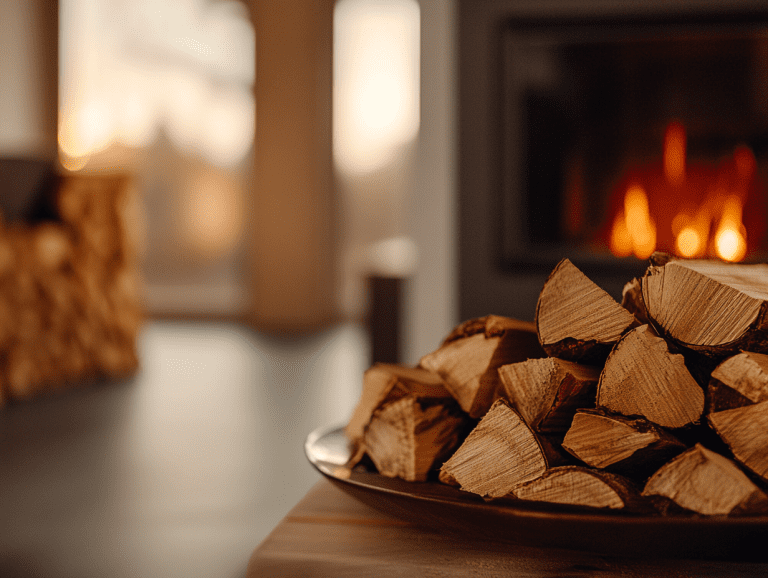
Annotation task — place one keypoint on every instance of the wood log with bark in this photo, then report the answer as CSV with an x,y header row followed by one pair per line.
x,y
580,486
547,392
745,432
576,319
407,440
705,482
638,411
469,360
635,447
642,378
738,381
501,453
70,305
387,382
711,307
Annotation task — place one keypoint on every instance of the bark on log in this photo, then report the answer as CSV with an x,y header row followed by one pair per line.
x,y
406,440
469,365
580,486
738,381
501,453
642,378
576,319
387,382
745,432
712,307
705,482
547,392
633,447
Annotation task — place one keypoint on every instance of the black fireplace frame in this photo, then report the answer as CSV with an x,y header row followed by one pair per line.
x,y
500,270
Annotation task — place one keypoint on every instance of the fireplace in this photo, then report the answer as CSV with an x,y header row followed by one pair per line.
x,y
603,132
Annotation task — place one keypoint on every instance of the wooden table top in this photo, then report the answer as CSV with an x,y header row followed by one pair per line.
x,y
330,534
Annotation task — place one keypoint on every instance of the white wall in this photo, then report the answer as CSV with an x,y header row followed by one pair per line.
x,y
432,297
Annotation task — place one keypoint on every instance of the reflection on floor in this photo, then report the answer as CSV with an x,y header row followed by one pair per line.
x,y
181,471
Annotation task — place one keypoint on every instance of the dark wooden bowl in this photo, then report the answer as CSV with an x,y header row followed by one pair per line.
x,y
440,507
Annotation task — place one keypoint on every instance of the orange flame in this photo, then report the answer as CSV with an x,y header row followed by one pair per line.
x,y
731,235
674,153
633,229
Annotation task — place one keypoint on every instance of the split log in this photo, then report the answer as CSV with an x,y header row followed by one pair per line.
x,y
547,392
580,486
712,307
634,447
469,365
576,319
705,482
406,440
388,382
490,326
738,381
632,300
501,453
745,432
642,378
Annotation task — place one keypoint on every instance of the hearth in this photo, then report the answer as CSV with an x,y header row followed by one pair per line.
x,y
602,133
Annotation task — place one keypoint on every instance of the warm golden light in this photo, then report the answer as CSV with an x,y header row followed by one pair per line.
x,y
674,153
621,242
731,237
688,242
376,79
642,229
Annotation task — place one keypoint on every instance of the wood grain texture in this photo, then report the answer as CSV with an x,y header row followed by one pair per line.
x,y
573,314
501,453
547,392
745,431
490,326
580,486
387,381
612,441
746,373
406,441
329,534
642,378
703,481
469,365
632,300
710,306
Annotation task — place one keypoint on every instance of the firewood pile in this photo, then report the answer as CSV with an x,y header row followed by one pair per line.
x,y
657,405
69,291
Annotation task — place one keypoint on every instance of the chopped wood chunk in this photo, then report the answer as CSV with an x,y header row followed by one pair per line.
x,y
703,481
576,319
469,365
642,378
501,453
385,382
547,392
738,381
632,300
635,447
580,486
406,441
745,432
709,306
490,326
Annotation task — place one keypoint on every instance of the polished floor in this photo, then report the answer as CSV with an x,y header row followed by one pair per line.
x,y
181,471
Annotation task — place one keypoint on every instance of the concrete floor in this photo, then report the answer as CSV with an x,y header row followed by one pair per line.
x,y
181,471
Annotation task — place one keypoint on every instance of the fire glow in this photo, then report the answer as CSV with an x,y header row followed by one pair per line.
x,y
689,209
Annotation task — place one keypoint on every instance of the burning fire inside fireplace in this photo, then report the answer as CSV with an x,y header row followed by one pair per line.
x,y
691,208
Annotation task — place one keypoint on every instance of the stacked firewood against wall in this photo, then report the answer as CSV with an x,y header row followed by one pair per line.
x,y
658,405
69,291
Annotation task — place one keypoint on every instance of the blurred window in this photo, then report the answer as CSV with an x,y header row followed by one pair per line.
x,y
164,90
